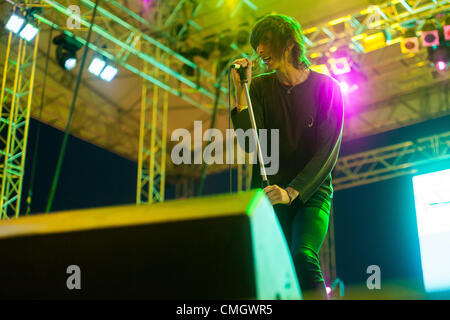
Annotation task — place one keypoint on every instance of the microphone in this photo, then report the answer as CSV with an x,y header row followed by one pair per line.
x,y
242,71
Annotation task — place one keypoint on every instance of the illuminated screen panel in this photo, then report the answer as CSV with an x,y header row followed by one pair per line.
x,y
432,199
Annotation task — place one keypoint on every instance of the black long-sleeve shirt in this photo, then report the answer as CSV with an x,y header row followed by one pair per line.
x,y
309,117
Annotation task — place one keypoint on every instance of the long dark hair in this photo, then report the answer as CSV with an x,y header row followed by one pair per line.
x,y
279,29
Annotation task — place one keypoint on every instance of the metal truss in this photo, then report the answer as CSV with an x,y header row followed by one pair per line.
x,y
152,142
97,119
391,161
152,155
118,31
357,28
16,98
408,108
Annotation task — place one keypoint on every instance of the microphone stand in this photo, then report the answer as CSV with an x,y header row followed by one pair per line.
x,y
243,76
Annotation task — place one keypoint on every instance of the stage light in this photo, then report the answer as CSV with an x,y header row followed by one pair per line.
x,y
344,86
96,67
108,73
409,42
439,56
348,87
66,51
339,65
441,65
100,67
430,34
409,45
28,32
447,32
430,38
15,23
447,28
70,63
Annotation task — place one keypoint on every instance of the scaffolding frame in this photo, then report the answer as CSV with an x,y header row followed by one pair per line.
x,y
391,161
152,141
15,105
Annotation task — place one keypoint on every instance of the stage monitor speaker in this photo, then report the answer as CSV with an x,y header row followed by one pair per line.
x,y
218,247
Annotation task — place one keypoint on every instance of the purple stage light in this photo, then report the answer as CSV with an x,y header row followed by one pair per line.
x,y
339,65
347,88
441,65
344,86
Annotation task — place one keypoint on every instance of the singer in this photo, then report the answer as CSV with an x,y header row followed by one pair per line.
x,y
307,108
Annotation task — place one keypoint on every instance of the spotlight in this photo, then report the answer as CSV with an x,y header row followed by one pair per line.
x,y
29,32
347,88
108,73
15,23
22,26
96,66
439,56
70,63
344,86
66,51
410,42
430,35
441,65
430,38
447,32
339,65
99,67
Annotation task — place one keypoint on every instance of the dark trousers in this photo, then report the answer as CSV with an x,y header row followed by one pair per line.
x,y
305,227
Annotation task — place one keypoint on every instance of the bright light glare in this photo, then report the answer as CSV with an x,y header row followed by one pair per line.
x,y
339,65
70,63
344,86
441,65
15,23
432,199
96,66
108,73
29,32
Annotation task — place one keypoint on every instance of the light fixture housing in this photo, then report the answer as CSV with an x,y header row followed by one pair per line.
x,y
97,65
28,32
66,51
447,32
15,23
339,65
430,38
409,45
108,73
